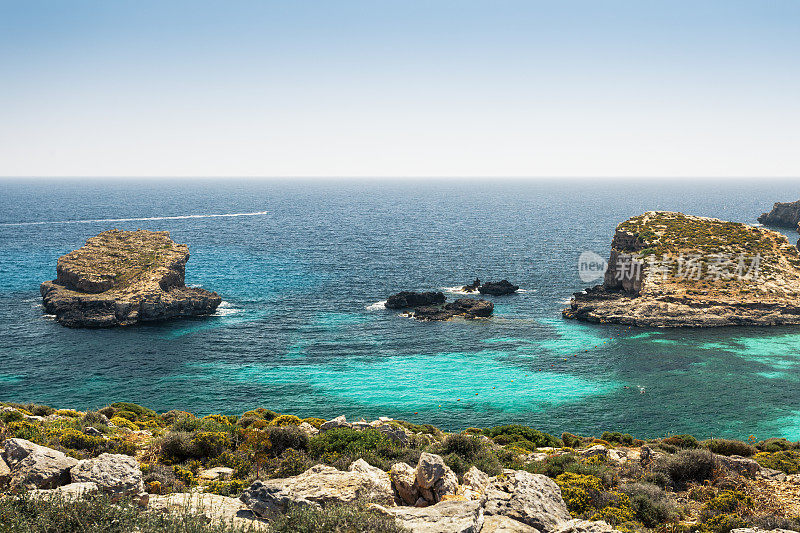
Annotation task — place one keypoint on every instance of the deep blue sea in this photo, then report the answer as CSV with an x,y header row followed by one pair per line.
x,y
298,331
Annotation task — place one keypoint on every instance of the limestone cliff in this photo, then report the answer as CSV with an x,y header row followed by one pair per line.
x,y
670,269
119,278
783,214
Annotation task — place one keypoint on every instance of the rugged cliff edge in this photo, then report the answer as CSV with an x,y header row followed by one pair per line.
x,y
670,269
783,214
119,278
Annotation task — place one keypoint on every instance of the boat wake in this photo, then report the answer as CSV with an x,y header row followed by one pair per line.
x,y
460,290
138,219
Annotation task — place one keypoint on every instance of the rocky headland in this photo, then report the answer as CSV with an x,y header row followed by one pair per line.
x,y
432,306
138,470
669,269
119,278
785,215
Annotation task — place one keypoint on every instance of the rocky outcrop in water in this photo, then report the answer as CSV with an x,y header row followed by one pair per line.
x,y
405,299
785,215
670,269
498,288
119,278
464,307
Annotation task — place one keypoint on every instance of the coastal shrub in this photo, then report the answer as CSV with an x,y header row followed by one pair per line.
x,y
729,447
234,487
184,475
580,492
286,437
127,415
786,461
220,419
347,441
722,523
161,479
617,437
22,429
650,504
40,410
514,432
177,446
69,413
773,522
426,429
285,420
11,416
207,444
76,440
686,466
123,423
292,463
170,417
333,519
94,419
314,422
246,421
570,440
95,513
141,412
606,474
553,466
264,414
118,444
107,411
240,464
682,441
613,507
777,445
728,501
702,493
466,446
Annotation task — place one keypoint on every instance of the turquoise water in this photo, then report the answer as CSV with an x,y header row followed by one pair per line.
x,y
300,332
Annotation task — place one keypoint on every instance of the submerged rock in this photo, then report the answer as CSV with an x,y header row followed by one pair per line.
x,y
406,299
673,270
785,215
498,288
119,278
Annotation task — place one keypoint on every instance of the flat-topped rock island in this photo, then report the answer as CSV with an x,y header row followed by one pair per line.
x,y
120,278
669,270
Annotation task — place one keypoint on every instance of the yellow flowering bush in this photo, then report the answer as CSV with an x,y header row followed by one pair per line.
x,y
123,423
285,420
577,490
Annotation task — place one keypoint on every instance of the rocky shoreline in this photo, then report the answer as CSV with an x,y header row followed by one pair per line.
x,y
266,471
674,270
432,306
120,278
785,215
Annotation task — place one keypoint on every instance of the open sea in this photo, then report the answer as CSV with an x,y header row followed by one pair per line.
x,y
303,266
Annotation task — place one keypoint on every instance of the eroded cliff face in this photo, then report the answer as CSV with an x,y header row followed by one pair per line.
x,y
670,269
119,278
785,215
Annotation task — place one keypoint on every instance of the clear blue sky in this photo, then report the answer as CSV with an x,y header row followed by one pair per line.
x,y
403,88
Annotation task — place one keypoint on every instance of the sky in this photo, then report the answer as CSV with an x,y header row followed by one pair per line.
x,y
406,88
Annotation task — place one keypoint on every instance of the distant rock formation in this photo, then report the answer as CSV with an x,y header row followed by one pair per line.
x,y
472,287
785,215
413,299
670,269
466,307
119,278
498,288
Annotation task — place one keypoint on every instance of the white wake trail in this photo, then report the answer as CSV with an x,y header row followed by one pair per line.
x,y
139,219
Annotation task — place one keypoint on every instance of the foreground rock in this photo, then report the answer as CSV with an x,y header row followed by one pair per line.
x,y
119,278
406,299
319,485
36,467
217,509
532,499
444,517
117,475
785,215
465,307
498,288
671,270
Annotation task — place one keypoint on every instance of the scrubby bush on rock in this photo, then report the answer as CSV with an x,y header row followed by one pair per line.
x,y
681,441
729,447
651,505
513,433
687,466
787,461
